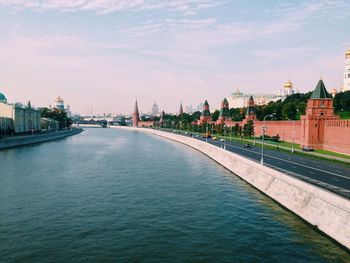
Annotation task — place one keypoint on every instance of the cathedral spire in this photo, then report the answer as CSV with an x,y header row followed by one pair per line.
x,y
181,111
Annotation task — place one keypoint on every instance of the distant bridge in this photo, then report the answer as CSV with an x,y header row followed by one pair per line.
x,y
91,123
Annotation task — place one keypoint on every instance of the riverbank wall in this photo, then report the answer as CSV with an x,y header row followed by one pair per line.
x,y
326,211
17,141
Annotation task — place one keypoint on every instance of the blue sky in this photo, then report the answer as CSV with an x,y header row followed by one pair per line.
x,y
104,53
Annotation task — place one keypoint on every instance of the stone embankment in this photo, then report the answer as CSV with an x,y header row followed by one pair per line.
x,y
16,141
326,211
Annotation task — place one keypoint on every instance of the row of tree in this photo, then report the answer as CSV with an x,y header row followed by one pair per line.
x,y
289,109
57,115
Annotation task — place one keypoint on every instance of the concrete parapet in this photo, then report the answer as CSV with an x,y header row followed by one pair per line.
x,y
324,210
16,141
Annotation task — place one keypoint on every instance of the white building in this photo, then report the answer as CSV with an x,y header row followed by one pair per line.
x,y
239,100
59,103
18,118
346,85
155,109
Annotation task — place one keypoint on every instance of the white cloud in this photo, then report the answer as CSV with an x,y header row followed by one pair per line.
x,y
185,7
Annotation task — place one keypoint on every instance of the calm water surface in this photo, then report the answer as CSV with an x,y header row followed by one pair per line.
x,y
120,196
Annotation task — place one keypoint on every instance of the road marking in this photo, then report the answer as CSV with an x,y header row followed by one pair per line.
x,y
303,165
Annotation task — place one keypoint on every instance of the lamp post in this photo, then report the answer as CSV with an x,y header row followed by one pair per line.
x,y
206,134
225,137
293,135
264,128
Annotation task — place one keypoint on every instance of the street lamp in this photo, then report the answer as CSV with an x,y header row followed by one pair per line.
x,y
264,128
206,134
293,134
225,137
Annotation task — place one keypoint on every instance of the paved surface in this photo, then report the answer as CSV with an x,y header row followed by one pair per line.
x,y
327,156
331,176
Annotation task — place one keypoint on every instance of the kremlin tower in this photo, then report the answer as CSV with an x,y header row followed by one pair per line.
x,y
224,112
135,116
319,109
205,116
346,85
250,114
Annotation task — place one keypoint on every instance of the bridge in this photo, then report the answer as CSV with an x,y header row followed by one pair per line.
x,y
91,124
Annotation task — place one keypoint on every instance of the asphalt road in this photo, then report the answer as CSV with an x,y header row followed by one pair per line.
x,y
329,175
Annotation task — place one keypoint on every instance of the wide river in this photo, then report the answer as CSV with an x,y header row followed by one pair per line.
x,y
110,195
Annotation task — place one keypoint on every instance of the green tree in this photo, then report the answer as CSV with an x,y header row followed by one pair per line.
x,y
235,129
248,128
58,115
215,115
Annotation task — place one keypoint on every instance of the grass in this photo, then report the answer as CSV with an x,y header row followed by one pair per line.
x,y
277,147
333,153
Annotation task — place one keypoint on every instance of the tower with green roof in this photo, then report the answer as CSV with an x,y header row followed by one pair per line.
x,y
251,112
319,109
224,112
205,116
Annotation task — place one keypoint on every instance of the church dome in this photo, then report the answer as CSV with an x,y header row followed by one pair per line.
x,y
59,99
288,85
2,98
347,53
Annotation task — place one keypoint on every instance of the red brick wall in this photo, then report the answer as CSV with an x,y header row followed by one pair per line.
x,y
146,123
284,129
337,136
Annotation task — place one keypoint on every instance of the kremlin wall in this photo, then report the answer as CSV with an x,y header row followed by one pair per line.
x,y
319,128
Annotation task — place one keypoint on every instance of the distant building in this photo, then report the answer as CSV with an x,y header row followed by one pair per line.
x,y
181,110
334,92
155,109
346,85
59,103
239,100
288,89
49,124
17,118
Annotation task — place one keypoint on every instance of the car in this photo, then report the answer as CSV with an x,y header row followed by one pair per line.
x,y
247,145
307,149
222,140
214,138
197,135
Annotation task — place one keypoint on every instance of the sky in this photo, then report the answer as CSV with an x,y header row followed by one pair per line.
x,y
102,54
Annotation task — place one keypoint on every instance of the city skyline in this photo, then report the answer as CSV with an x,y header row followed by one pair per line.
x,y
103,54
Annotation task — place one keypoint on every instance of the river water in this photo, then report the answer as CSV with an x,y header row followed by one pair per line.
x,y
110,195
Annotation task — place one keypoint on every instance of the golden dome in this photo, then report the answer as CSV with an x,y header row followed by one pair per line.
x,y
347,53
334,91
59,99
288,85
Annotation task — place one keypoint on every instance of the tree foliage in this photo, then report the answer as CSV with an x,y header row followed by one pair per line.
x,y
58,115
248,128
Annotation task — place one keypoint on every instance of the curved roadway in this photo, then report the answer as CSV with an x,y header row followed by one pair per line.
x,y
329,175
